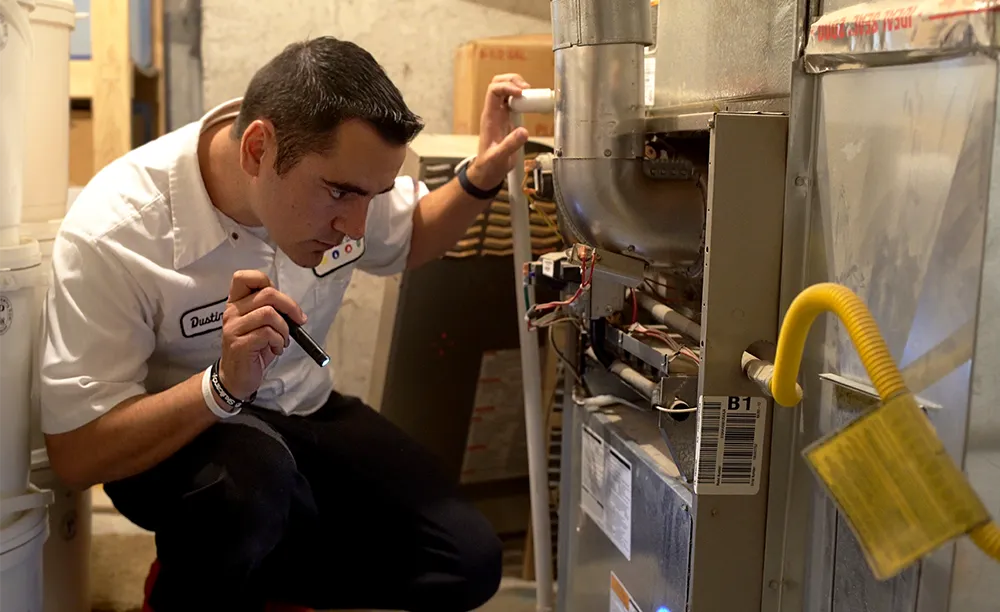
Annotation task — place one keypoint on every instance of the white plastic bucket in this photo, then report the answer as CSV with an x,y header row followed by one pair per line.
x,y
20,281
45,234
46,152
67,550
22,558
15,59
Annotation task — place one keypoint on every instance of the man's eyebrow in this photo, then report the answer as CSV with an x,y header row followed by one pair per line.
x,y
349,188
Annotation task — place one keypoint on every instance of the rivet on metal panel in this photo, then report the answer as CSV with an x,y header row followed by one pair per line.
x,y
773,585
800,181
607,152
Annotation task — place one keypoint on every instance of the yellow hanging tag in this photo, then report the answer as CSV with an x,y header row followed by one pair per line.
x,y
896,486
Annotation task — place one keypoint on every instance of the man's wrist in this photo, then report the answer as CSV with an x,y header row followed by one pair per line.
x,y
212,399
475,174
477,183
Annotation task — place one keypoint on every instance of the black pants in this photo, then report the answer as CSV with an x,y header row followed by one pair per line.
x,y
336,510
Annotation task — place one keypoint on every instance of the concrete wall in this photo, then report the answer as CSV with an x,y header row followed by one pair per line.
x,y
238,38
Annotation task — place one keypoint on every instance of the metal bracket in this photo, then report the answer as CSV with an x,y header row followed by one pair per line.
x,y
677,386
869,391
656,358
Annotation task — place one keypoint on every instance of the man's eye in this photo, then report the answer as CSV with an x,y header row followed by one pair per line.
x,y
337,194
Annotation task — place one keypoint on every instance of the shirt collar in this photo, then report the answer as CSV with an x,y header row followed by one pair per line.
x,y
198,227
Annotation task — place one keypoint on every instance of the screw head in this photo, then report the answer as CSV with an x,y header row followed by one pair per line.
x,y
800,180
607,152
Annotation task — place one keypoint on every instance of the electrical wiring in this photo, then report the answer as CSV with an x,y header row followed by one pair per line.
x,y
587,275
677,348
672,410
603,401
562,356
635,306
529,193
607,399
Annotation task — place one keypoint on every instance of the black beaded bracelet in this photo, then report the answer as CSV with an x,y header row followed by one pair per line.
x,y
472,190
224,394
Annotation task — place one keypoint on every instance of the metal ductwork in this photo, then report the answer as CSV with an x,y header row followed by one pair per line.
x,y
605,198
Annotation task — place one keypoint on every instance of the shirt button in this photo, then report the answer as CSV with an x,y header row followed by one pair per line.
x,y
235,236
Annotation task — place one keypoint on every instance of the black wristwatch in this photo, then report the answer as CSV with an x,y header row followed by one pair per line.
x,y
472,190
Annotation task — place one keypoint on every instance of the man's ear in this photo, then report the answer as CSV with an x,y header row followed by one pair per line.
x,y
257,147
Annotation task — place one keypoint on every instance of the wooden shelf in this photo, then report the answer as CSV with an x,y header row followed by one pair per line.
x,y
81,78
111,81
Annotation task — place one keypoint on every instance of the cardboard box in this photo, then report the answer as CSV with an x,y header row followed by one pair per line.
x,y
478,61
81,141
81,147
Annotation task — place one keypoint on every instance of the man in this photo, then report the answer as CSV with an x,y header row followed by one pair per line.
x,y
168,374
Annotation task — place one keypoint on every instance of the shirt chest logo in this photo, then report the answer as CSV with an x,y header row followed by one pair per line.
x,y
203,319
340,256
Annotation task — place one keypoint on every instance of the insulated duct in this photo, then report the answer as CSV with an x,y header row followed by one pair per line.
x,y
604,197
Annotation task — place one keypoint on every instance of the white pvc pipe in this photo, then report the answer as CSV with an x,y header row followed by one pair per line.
x,y
531,374
533,101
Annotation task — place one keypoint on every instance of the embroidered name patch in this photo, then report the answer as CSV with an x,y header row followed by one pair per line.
x,y
203,319
339,256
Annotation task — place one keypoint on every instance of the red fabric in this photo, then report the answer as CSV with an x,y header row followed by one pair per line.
x,y
154,570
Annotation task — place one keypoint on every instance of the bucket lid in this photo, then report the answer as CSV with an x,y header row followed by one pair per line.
x,y
32,526
42,231
21,256
26,528
65,5
21,266
59,12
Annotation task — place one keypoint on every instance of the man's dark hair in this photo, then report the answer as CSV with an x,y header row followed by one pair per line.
x,y
313,86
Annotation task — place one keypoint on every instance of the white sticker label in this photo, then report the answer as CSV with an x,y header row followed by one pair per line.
x,y
606,490
548,267
339,256
618,509
592,476
621,599
650,73
730,445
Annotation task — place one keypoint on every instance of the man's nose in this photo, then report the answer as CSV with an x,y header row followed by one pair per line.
x,y
352,221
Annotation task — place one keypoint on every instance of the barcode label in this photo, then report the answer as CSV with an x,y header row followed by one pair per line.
x,y
730,445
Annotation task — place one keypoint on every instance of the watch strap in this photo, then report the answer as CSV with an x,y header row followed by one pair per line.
x,y
472,190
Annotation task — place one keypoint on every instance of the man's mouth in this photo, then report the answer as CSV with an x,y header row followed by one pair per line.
x,y
329,245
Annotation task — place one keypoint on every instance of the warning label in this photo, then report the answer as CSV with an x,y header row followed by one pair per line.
x,y
621,600
898,488
606,489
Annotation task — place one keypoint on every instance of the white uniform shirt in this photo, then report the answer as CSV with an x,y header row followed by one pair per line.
x,y
141,270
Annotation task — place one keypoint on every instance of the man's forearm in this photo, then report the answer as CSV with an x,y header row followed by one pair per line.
x,y
132,437
441,219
